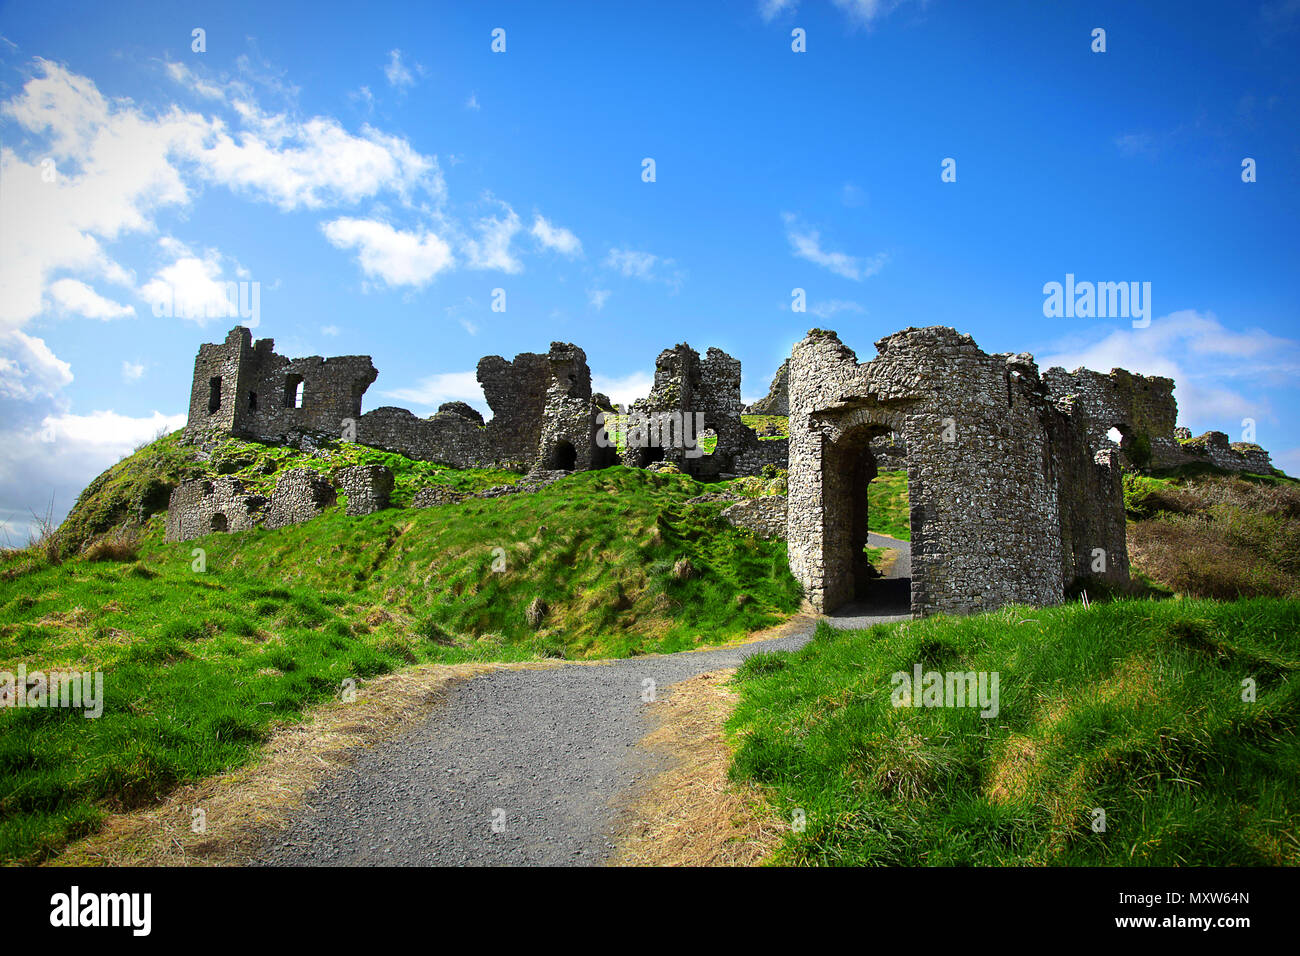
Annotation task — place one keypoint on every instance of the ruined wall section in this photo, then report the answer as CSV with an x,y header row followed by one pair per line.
x,y
758,453
245,389
568,435
368,488
985,518
300,494
777,399
201,507
1142,407
219,370
516,393
446,438
686,385
1214,448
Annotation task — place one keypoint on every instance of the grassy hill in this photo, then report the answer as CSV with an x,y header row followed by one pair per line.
x,y
200,666
1134,708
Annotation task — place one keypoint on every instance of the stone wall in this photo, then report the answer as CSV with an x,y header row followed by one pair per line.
x,y
300,494
685,385
244,389
984,473
777,399
543,408
516,393
201,507
447,438
764,516
568,435
768,451
367,488
1214,448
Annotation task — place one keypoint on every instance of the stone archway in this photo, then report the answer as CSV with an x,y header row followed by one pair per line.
x,y
847,470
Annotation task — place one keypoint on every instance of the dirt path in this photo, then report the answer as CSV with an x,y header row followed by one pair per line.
x,y
516,767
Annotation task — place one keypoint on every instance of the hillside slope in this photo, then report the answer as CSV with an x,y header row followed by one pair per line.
x,y
1133,708
207,645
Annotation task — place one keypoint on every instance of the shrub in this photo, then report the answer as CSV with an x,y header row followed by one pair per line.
x,y
123,547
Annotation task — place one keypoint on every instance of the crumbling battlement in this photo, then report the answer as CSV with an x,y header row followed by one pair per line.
x,y
202,506
1143,409
686,385
1005,489
569,427
246,390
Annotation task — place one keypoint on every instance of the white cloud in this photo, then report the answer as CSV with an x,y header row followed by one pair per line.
x,y
330,330
597,298
397,257
770,9
113,166
557,238
492,249
805,243
132,371
28,369
47,464
192,287
1205,359
624,390
824,310
472,102
398,75
1288,461
432,391
73,295
632,264
864,12
860,12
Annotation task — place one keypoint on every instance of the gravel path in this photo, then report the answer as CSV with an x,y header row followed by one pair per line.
x,y
540,752
891,599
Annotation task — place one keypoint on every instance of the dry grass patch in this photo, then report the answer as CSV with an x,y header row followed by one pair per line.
x,y
691,814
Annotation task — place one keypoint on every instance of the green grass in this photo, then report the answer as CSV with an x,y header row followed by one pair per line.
x,y
138,486
1132,707
200,667
768,426
887,508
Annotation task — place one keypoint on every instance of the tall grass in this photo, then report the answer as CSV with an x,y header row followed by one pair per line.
x,y
1133,708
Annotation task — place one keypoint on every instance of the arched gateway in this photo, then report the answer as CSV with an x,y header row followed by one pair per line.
x,y
1009,503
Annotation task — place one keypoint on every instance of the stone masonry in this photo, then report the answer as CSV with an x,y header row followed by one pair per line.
x,y
1014,484
367,488
300,495
201,507
1009,499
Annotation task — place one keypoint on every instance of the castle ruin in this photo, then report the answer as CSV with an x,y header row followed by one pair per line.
x,y
1014,477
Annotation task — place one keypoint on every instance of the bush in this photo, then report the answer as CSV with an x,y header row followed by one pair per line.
x,y
123,547
1216,537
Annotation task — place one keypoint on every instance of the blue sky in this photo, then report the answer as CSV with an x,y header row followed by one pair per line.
x,y
379,174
